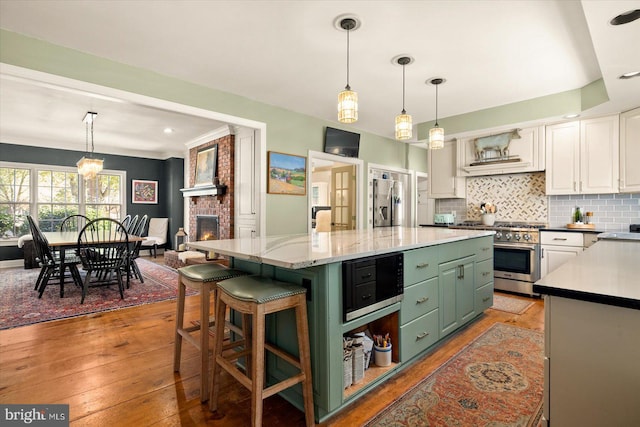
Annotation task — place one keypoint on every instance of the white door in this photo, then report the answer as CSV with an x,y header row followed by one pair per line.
x,y
246,184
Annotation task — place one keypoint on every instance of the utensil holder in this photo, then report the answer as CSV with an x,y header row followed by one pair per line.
x,y
488,219
382,355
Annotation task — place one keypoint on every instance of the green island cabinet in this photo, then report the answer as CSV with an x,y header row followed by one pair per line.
x,y
445,286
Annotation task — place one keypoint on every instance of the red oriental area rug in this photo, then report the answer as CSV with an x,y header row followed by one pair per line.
x,y
19,303
496,380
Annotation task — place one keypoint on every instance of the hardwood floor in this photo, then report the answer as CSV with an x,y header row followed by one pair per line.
x,y
116,368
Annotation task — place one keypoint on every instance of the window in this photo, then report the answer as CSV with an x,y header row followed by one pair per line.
x,y
54,193
57,198
15,200
103,197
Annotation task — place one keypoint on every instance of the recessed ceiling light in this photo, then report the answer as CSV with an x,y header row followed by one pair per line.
x,y
168,130
625,18
630,75
572,116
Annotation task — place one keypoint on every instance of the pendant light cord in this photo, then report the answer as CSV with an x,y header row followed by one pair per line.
x,y
347,87
436,125
92,146
403,110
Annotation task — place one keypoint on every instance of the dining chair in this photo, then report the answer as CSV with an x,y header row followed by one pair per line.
x,y
126,221
103,245
51,266
132,224
74,223
134,252
157,235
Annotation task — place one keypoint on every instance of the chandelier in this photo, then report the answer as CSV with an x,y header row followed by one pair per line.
x,y
89,167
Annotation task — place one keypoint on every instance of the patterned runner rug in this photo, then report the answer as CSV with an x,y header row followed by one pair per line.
x,y
19,303
510,305
496,380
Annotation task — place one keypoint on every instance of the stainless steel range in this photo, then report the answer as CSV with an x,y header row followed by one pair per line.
x,y
516,254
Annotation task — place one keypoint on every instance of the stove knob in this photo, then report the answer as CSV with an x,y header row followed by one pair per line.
x,y
516,236
498,235
527,236
507,236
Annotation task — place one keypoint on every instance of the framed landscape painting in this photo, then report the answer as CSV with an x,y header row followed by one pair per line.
x,y
206,165
144,191
287,174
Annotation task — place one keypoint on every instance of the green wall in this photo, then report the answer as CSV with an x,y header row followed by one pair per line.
x,y
287,131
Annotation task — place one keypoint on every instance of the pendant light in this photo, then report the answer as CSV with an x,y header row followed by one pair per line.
x,y
404,125
89,167
436,133
348,99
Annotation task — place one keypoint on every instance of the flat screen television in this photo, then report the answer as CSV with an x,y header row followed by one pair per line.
x,y
341,142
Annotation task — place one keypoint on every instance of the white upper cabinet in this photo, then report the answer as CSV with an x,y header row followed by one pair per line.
x,y
444,182
526,154
630,151
582,156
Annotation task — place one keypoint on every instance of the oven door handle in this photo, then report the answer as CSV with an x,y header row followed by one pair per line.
x,y
516,246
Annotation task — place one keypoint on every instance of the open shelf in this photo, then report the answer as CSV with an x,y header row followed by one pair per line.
x,y
385,324
370,375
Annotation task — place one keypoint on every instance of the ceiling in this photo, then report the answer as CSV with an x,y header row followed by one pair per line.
x,y
291,54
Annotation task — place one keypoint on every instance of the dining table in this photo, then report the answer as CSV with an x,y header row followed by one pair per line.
x,y
62,240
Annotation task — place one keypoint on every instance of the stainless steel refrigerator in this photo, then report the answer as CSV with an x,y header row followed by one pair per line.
x,y
387,203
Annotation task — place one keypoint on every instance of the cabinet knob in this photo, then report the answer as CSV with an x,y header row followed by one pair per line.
x,y
421,300
485,299
422,265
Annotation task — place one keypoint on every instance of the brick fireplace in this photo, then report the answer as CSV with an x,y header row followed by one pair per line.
x,y
218,205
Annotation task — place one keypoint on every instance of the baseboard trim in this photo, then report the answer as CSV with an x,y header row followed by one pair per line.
x,y
12,263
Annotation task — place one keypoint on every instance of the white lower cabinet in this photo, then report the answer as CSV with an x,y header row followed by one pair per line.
x,y
558,247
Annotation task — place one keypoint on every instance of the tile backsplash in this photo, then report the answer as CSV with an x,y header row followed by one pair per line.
x,y
521,197
518,197
611,212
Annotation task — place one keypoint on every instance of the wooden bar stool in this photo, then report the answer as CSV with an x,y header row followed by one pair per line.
x,y
203,278
258,296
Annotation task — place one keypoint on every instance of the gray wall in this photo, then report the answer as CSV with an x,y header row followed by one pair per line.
x,y
168,173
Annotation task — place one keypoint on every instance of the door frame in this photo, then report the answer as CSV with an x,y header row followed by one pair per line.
x,y
359,164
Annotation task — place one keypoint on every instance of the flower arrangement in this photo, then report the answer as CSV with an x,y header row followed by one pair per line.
x,y
486,208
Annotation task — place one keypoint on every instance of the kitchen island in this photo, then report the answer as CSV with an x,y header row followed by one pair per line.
x,y
447,280
592,337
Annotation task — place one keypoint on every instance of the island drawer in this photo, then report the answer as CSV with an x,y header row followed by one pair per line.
x,y
419,299
483,247
484,298
484,272
420,264
418,335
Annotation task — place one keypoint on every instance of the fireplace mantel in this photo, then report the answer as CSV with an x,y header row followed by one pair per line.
x,y
204,190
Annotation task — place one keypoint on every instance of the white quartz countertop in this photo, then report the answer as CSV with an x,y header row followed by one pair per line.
x,y
317,248
607,273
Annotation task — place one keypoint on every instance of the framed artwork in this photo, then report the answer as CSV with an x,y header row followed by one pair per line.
x,y
206,165
287,174
144,191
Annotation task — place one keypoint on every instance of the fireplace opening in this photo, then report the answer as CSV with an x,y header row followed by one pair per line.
x,y
207,227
